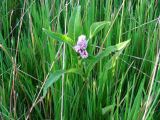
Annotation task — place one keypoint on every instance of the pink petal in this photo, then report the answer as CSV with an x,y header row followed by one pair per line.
x,y
82,42
76,48
84,54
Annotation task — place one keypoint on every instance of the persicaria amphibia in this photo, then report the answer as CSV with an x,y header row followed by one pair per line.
x,y
81,46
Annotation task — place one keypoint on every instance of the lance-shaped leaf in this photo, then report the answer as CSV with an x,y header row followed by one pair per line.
x,y
96,27
106,52
59,37
56,76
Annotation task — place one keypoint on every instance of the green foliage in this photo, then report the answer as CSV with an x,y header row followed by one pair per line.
x,y
59,37
75,23
56,75
96,27
106,52
112,83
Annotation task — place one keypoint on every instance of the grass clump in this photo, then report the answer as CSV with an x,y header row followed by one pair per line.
x,y
42,76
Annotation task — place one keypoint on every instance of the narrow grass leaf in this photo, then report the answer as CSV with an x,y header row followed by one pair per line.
x,y
107,109
75,23
133,115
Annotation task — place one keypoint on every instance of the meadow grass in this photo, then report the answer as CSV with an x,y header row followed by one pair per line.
x,y
42,77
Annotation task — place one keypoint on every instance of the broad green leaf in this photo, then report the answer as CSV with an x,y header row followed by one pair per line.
x,y
56,75
76,71
111,62
52,79
59,37
106,52
96,27
75,24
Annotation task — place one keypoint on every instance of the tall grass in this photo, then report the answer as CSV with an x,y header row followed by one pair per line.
x,y
121,85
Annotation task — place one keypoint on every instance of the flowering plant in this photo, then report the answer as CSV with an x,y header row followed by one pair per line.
x,y
81,46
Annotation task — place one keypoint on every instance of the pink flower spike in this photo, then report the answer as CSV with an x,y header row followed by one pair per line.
x,y
81,46
82,42
76,48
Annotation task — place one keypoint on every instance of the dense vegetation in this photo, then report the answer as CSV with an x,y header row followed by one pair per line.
x,y
42,76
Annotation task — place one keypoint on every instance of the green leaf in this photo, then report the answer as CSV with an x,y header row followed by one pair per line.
x,y
111,63
106,52
52,79
96,27
136,108
56,75
75,24
59,37
107,109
